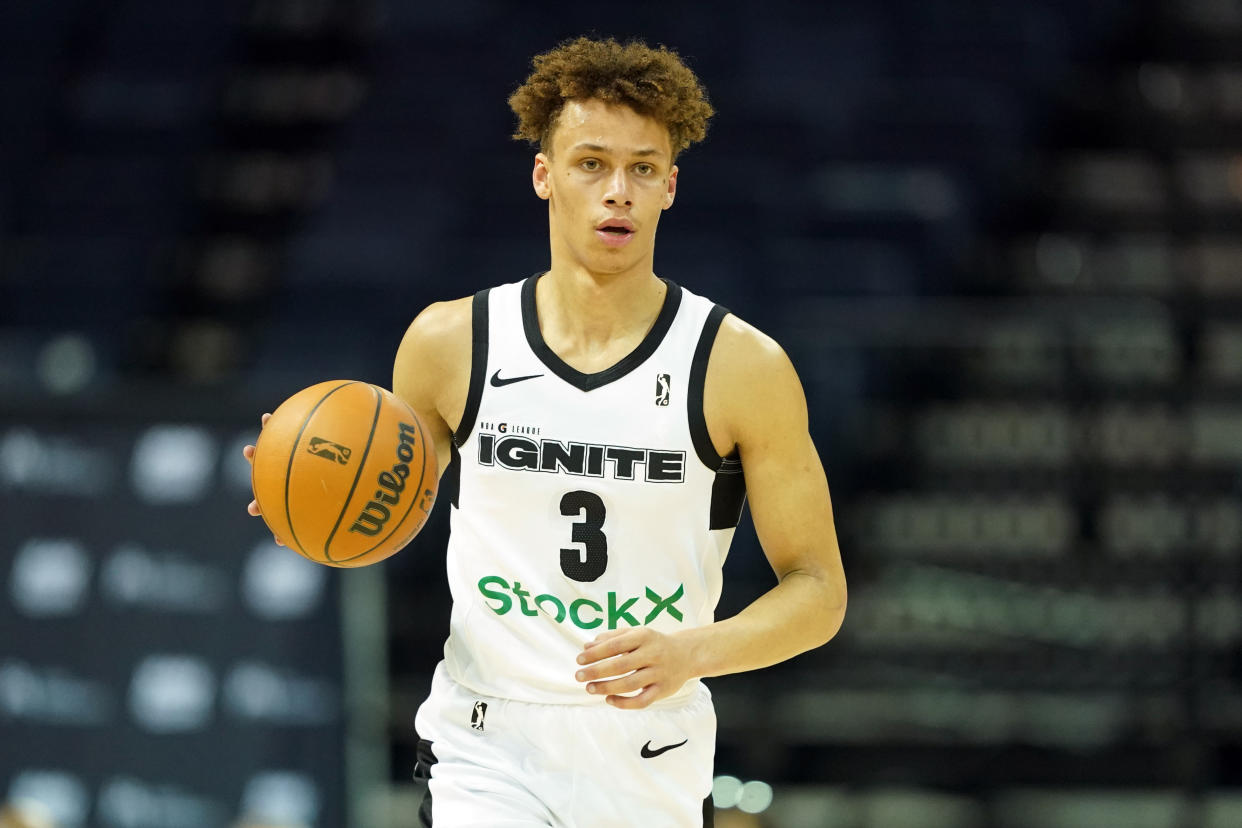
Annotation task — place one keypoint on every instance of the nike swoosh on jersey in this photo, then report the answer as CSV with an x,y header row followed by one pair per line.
x,y
497,381
648,753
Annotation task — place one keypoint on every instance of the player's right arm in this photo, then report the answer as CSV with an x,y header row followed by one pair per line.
x,y
431,373
432,370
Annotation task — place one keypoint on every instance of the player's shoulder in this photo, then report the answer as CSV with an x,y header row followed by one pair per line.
x,y
441,320
447,322
433,356
744,360
751,386
743,352
438,339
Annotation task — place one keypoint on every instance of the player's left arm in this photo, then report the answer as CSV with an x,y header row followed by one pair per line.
x,y
755,400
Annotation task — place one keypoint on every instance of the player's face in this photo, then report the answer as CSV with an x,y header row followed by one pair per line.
x,y
607,177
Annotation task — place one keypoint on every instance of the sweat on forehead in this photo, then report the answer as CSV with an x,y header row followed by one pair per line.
x,y
600,127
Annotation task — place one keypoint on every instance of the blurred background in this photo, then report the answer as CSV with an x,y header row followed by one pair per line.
x,y
999,239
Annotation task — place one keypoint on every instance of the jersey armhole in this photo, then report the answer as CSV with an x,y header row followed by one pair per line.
x,y
729,484
478,366
703,446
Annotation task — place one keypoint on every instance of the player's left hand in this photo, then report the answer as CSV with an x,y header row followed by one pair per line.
x,y
640,658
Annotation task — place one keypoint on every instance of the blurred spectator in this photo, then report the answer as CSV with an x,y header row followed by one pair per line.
x,y
25,813
733,818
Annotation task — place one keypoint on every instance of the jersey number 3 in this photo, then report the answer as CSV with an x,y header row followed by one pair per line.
x,y
589,533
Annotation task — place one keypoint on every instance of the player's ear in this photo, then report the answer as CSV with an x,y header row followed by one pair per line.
x,y
672,188
539,177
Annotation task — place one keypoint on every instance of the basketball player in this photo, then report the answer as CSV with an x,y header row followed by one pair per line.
x,y
604,427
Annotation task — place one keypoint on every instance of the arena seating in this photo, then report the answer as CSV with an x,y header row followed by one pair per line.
x,y
998,239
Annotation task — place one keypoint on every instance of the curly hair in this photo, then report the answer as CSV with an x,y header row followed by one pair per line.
x,y
652,82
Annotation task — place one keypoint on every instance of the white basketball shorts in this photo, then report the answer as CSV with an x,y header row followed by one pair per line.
x,y
496,763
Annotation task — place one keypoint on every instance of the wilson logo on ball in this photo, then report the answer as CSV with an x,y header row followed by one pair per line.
x,y
332,451
391,483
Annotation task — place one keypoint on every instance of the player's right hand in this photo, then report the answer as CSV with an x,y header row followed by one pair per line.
x,y
248,453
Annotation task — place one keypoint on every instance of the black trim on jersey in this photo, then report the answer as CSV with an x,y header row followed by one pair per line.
x,y
729,487
450,481
728,495
709,813
694,393
588,382
425,758
478,366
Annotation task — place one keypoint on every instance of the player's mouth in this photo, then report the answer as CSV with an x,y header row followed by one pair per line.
x,y
615,232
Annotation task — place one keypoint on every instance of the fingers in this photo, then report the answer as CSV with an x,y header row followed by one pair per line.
x,y
248,451
604,636
651,693
610,644
618,666
253,510
620,662
626,684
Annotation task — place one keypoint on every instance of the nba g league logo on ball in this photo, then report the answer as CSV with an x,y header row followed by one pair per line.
x,y
329,450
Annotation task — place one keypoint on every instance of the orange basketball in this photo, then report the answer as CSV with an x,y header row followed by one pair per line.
x,y
344,474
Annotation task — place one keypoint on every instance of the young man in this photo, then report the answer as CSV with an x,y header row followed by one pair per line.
x,y
604,427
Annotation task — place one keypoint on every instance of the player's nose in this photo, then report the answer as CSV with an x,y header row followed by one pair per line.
x,y
618,190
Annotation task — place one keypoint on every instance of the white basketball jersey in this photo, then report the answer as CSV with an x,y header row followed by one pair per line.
x,y
584,502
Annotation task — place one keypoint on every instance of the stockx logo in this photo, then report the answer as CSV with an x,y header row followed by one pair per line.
x,y
583,613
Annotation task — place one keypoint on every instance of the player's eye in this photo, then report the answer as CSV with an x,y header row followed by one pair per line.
x,y
644,169
590,164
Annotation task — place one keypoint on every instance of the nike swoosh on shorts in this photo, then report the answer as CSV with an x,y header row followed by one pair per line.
x,y
648,753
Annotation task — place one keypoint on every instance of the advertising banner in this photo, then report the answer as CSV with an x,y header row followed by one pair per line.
x,y
163,663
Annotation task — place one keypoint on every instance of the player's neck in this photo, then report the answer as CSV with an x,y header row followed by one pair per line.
x,y
585,313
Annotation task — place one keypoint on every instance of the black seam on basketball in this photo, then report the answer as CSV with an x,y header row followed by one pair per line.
x,y
479,329
422,476
696,418
362,462
409,506
293,452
